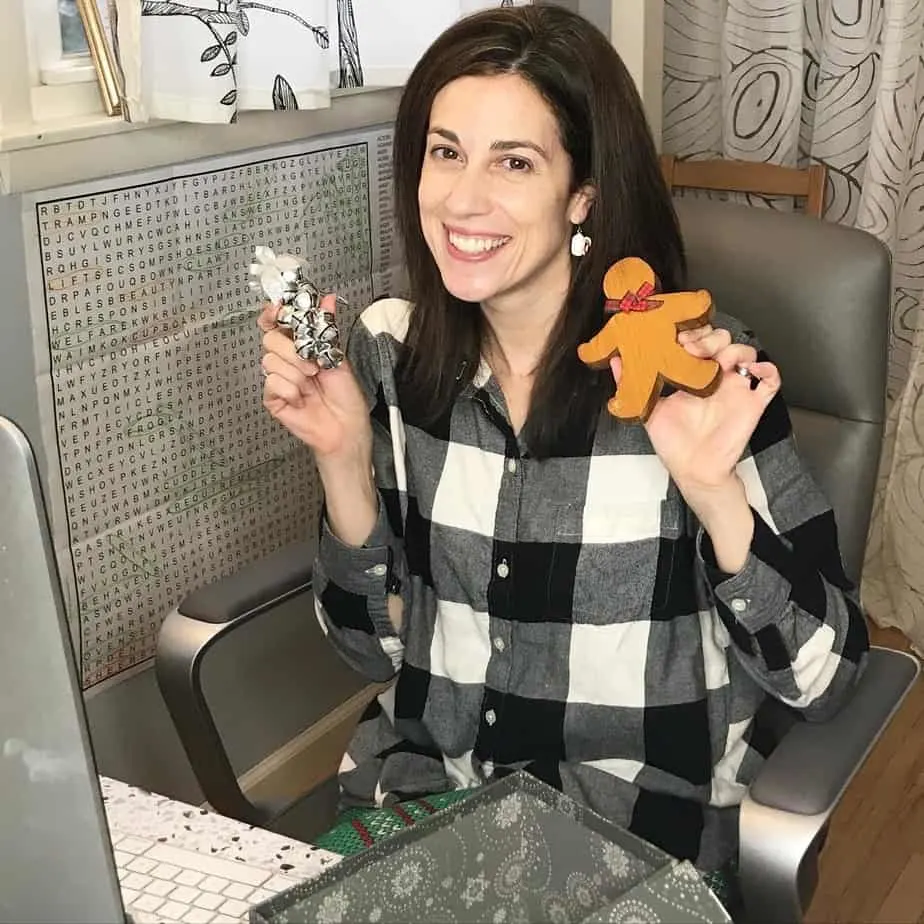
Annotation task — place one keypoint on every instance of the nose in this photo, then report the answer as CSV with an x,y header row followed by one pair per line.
x,y
469,193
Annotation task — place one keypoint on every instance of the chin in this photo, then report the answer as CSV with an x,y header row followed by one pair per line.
x,y
470,284
471,290
474,280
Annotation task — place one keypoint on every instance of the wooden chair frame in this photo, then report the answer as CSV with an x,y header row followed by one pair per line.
x,y
745,177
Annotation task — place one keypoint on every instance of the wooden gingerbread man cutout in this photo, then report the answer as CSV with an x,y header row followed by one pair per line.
x,y
643,332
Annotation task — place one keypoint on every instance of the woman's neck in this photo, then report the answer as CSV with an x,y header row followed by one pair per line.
x,y
517,330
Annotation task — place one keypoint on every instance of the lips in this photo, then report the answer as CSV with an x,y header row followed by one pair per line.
x,y
474,246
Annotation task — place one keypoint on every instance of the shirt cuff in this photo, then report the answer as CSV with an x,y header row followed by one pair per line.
x,y
365,570
757,594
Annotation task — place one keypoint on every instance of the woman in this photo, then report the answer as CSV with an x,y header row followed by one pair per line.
x,y
604,604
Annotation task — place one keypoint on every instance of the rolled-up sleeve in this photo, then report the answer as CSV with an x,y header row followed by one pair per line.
x,y
794,618
352,584
351,599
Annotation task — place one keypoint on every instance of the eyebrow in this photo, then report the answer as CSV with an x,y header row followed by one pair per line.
x,y
495,145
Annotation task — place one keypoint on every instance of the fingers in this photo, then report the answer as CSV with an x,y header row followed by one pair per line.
x,y
763,377
279,343
736,354
277,388
709,344
275,365
740,360
266,320
288,379
697,333
616,368
705,342
285,386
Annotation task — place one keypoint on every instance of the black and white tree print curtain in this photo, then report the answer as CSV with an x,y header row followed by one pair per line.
x,y
206,60
841,82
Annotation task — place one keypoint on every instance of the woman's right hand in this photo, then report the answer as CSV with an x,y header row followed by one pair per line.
x,y
324,408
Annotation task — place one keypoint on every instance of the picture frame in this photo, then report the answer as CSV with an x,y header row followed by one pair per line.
x,y
98,17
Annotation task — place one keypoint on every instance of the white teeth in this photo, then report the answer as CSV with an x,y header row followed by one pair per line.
x,y
476,244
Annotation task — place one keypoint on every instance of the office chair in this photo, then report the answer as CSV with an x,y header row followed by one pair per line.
x,y
818,296
743,176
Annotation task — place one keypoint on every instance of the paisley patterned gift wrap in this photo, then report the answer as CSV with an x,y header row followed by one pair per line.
x,y
516,851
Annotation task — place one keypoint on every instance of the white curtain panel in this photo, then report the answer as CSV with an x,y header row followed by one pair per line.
x,y
840,82
207,60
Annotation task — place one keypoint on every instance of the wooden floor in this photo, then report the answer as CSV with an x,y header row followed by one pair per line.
x,y
872,867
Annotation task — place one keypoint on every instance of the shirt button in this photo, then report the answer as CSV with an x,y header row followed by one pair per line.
x,y
499,643
511,466
503,569
490,717
739,605
377,570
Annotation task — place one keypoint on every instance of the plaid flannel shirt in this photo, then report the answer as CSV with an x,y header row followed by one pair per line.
x,y
567,615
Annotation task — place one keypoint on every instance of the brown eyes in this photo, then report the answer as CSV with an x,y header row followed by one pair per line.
x,y
513,163
518,164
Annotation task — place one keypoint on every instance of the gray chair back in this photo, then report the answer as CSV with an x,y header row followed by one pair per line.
x,y
817,295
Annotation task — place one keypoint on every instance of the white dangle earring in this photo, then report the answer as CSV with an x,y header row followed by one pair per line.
x,y
580,243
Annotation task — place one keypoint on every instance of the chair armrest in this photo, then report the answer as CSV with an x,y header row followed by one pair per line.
x,y
254,587
810,769
795,792
188,632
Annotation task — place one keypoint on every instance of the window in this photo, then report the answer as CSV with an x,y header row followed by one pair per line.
x,y
73,39
60,82
59,42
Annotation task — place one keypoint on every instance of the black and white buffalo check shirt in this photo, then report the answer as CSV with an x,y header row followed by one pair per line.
x,y
563,615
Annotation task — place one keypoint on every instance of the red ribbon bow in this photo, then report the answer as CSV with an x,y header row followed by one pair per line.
x,y
634,301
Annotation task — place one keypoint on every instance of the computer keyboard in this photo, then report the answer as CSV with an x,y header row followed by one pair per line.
x,y
161,882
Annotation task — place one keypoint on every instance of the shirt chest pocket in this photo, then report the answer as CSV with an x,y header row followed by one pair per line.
x,y
622,513
622,547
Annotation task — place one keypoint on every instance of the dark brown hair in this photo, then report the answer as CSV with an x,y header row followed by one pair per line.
x,y
604,131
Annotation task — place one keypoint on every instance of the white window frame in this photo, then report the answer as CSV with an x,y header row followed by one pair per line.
x,y
54,68
56,87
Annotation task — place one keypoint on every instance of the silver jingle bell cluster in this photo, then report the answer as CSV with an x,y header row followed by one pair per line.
x,y
283,280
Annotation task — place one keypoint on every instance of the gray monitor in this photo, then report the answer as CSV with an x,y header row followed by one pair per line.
x,y
56,861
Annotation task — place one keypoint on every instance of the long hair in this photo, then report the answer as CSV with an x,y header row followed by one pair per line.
x,y
603,129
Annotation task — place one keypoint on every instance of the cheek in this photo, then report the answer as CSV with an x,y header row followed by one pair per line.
x,y
427,208
429,192
546,219
532,204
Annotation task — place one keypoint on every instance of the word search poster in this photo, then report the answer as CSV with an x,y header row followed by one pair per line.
x,y
165,470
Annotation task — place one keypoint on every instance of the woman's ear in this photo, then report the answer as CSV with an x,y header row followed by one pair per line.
x,y
581,201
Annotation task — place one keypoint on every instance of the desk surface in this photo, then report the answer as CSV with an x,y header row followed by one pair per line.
x,y
130,810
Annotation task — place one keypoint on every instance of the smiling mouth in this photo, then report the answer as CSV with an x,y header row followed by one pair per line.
x,y
474,245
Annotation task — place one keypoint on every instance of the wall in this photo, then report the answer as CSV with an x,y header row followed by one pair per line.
x,y
637,31
265,684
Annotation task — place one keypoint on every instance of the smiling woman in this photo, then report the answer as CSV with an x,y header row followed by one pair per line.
x,y
494,210
606,604
546,99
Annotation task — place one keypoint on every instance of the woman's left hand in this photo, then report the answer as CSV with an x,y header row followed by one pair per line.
x,y
700,440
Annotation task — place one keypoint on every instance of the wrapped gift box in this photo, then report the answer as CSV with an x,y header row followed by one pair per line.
x,y
515,851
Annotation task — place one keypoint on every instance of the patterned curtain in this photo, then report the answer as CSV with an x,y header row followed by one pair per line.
x,y
207,60
840,82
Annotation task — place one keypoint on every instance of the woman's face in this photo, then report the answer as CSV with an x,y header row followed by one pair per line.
x,y
495,199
